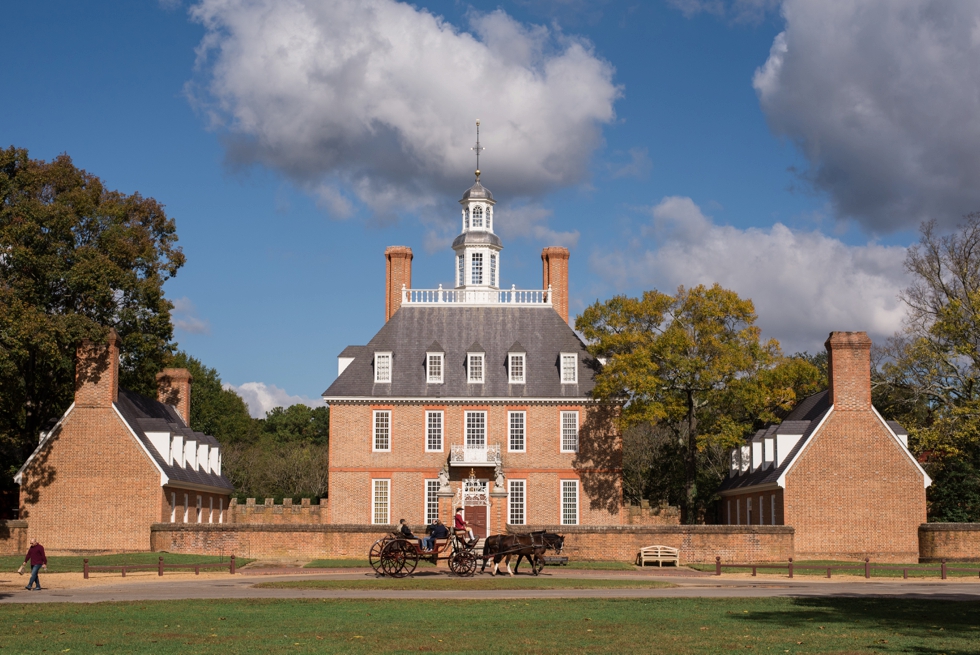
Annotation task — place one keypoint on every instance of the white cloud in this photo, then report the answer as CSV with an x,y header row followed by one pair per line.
x,y
374,100
185,317
740,11
262,398
530,220
638,164
803,284
883,98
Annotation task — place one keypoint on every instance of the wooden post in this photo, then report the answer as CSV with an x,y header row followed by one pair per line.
x,y
231,566
753,571
717,565
197,569
160,567
124,571
867,568
942,568
791,567
85,568
905,574
828,571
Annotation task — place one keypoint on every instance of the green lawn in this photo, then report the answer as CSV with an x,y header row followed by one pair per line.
x,y
68,564
681,626
915,570
481,583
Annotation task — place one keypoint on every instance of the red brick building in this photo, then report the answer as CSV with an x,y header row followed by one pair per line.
x,y
117,462
476,396
834,469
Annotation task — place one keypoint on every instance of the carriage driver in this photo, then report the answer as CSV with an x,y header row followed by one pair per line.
x,y
460,525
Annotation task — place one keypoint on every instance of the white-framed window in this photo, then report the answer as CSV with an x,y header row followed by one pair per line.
x,y
476,268
431,501
515,502
460,271
187,504
476,430
433,431
475,367
380,502
210,509
569,502
173,507
517,423
433,368
493,269
772,509
221,510
198,509
382,367
478,216
517,366
382,430
490,217
569,368
569,432
466,218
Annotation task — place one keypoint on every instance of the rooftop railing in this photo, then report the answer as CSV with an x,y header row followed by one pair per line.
x,y
475,297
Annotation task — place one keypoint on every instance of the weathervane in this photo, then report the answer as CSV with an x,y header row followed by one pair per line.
x,y
477,148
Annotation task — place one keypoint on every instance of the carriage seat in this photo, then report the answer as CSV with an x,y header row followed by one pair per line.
x,y
658,554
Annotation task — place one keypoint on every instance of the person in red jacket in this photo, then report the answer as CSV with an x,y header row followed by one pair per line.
x,y
37,558
461,525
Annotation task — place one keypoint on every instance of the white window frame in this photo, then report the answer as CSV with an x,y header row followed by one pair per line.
x,y
375,434
429,377
173,506
566,369
199,508
565,486
518,506
466,428
461,271
511,377
375,488
221,510
510,432
187,504
429,415
477,214
493,269
380,370
566,446
473,268
430,504
470,358
210,509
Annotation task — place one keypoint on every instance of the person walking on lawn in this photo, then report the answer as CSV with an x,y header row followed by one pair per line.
x,y
37,558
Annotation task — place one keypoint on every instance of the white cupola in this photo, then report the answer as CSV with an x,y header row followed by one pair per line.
x,y
477,247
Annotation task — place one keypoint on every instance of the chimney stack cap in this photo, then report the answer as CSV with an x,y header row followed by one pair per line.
x,y
848,340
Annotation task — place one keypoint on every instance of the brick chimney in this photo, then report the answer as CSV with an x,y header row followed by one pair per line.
x,y
398,271
174,388
849,363
97,372
554,260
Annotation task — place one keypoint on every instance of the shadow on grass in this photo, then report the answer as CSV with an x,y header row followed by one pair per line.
x,y
915,615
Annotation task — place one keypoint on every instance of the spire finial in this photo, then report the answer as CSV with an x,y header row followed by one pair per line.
x,y
477,148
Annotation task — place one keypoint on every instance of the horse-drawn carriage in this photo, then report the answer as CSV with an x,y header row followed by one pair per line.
x,y
397,556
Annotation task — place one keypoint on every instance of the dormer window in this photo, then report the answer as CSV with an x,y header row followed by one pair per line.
x,y
433,368
569,368
476,268
516,367
478,216
475,367
382,367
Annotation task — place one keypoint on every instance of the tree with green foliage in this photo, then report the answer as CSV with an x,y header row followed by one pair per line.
x,y
693,367
215,410
76,259
928,375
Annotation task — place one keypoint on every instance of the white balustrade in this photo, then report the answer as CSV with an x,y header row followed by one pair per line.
x,y
460,455
477,297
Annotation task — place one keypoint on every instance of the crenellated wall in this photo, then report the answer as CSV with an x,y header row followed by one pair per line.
x,y
305,513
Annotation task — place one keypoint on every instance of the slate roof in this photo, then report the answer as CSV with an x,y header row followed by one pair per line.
x,y
803,419
146,415
540,331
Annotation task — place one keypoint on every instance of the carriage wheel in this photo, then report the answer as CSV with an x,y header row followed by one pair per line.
x,y
463,563
374,555
399,558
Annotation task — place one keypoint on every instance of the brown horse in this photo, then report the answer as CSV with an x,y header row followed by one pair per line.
x,y
552,541
505,546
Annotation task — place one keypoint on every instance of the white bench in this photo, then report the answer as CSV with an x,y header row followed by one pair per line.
x,y
658,554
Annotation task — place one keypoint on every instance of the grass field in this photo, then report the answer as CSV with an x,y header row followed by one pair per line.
x,y
468,584
680,626
70,564
915,570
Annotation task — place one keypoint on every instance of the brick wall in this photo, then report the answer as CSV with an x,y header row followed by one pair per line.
x,y
855,493
13,537
268,541
554,264
849,364
269,513
398,272
353,465
954,542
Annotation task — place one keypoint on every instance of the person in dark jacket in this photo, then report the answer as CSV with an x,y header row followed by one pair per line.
x,y
407,533
436,531
37,559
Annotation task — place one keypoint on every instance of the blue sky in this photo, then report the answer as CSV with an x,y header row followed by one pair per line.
x,y
786,150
